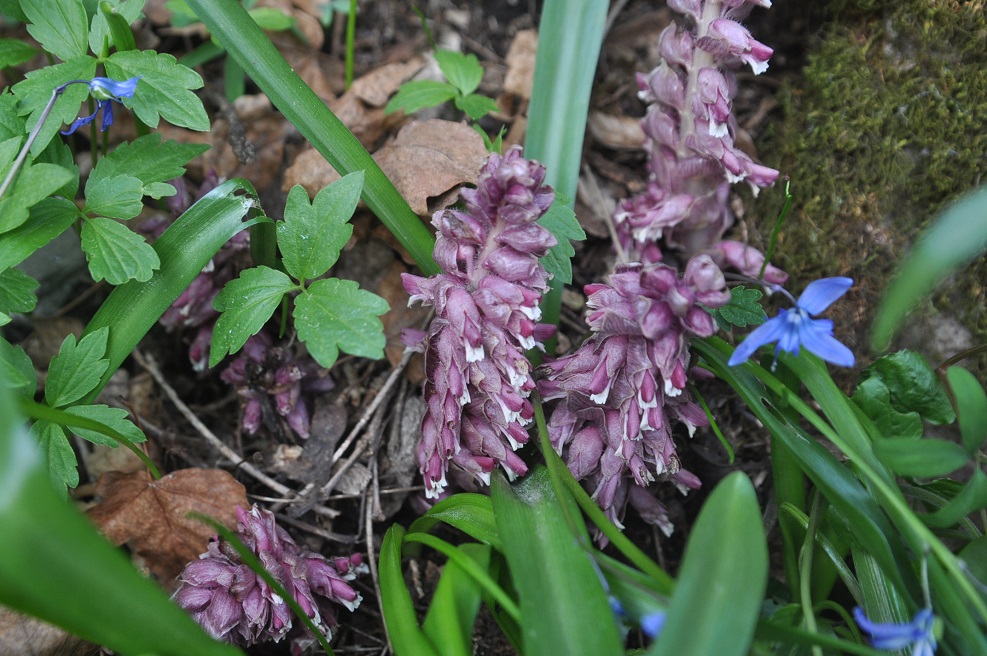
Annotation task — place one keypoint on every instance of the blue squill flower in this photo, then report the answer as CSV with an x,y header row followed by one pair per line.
x,y
795,328
106,91
917,634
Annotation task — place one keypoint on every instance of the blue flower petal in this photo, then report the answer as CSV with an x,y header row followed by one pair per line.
x,y
820,294
82,121
817,337
107,107
770,331
916,634
653,623
104,88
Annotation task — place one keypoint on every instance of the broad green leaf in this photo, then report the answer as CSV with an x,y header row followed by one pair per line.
x,y
117,253
35,91
157,190
17,291
271,19
115,418
118,197
563,603
971,498
463,71
128,10
312,235
920,458
470,513
148,159
246,303
58,152
14,52
455,603
561,221
724,574
971,407
31,185
743,309
913,386
11,123
335,315
874,399
63,468
957,236
164,90
16,370
48,219
8,151
475,105
60,26
419,94
399,610
76,369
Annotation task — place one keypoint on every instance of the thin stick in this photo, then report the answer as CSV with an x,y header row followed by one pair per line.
x,y
368,523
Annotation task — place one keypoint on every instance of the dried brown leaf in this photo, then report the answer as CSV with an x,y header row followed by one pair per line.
x,y
20,634
376,87
617,132
151,516
521,64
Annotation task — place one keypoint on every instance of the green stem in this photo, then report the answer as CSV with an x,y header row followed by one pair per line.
x,y
805,567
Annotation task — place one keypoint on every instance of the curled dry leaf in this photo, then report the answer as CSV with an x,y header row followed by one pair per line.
x,y
20,634
152,516
520,71
617,132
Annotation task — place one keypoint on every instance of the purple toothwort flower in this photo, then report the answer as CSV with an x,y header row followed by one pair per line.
x,y
477,378
232,603
796,328
917,635
105,91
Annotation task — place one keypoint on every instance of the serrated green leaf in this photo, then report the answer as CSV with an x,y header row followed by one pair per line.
x,y
561,221
476,106
100,31
31,185
76,369
971,407
115,418
63,468
118,197
874,399
117,253
60,26
148,159
16,370
246,303
11,123
48,219
58,153
463,71
913,386
743,309
17,291
311,236
158,190
419,94
272,20
335,315
35,91
920,458
8,152
14,52
164,90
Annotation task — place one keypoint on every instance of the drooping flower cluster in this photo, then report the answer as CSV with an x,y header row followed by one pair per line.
x,y
105,91
623,387
486,313
690,135
232,603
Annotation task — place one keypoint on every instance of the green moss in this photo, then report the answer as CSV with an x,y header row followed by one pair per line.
x,y
886,125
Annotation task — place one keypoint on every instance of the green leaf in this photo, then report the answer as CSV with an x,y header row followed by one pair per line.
x,y
16,370
118,197
128,11
311,236
32,184
463,71
874,399
920,458
246,303
971,407
117,253
14,52
975,556
164,90
271,19
475,105
157,190
419,94
335,315
17,291
561,221
395,600
60,26
115,418
63,468
913,386
76,369
743,309
147,159
470,513
48,219
724,574
971,498
957,236
455,603
35,91
11,124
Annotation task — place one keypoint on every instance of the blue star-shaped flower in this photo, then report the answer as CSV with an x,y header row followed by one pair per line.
x,y
795,328
106,91
917,634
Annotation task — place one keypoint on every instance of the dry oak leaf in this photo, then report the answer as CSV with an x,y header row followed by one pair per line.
x,y
151,516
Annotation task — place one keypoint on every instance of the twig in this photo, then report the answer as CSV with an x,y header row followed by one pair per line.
x,y
368,523
315,530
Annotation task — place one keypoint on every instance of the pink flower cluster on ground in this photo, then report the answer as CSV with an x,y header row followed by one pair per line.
x,y
232,603
486,304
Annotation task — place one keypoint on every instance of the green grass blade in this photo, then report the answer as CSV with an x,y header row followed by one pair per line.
x,y
470,513
457,598
403,631
243,40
